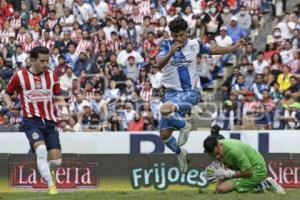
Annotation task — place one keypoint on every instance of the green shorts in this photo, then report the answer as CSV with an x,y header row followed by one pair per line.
x,y
250,184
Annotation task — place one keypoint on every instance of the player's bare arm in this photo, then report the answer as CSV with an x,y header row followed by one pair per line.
x,y
7,100
163,61
216,50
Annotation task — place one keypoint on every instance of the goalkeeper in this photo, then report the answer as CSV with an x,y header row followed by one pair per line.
x,y
247,168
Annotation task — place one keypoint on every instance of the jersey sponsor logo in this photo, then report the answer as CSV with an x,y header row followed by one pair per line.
x,y
181,62
35,136
38,85
38,95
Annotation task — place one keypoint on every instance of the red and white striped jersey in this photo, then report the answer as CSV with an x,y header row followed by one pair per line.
x,y
144,7
49,44
36,92
15,23
21,38
51,23
146,95
29,46
138,19
82,46
4,36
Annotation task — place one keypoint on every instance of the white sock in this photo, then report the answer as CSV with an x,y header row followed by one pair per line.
x,y
54,163
42,164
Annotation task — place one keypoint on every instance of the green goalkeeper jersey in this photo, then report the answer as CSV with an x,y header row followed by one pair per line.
x,y
241,156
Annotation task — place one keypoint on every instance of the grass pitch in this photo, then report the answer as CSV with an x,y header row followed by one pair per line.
x,y
172,195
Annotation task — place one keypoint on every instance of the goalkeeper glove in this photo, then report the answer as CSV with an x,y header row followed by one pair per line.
x,y
222,173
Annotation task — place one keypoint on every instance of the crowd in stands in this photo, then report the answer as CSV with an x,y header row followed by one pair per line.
x,y
104,52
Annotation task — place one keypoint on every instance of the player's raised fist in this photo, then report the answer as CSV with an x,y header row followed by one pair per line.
x,y
176,46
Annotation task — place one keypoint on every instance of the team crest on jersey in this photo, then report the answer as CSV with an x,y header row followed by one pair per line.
x,y
38,85
35,136
193,48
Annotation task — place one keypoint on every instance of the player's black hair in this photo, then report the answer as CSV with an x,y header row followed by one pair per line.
x,y
34,53
178,24
215,131
210,143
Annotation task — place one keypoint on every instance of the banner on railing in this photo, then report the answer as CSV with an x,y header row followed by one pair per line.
x,y
129,172
149,142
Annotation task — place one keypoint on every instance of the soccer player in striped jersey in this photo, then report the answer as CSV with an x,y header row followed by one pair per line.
x,y
37,86
177,60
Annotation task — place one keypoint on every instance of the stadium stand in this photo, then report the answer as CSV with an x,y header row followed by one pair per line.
x,y
104,54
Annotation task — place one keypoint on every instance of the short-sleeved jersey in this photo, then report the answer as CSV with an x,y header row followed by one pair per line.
x,y
241,156
180,72
36,92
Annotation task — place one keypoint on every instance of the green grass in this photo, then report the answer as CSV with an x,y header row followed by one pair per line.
x,y
173,195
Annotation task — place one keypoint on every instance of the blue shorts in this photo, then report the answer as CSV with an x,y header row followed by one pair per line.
x,y
37,129
184,100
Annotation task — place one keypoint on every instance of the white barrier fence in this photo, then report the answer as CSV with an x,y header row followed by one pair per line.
x,y
287,141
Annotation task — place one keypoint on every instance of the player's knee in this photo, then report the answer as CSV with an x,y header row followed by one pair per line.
x,y
167,108
220,189
55,163
41,152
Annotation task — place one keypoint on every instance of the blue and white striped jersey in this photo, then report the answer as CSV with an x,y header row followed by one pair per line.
x,y
180,73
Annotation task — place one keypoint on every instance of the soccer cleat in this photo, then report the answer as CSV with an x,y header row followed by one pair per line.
x,y
275,187
184,134
52,190
183,166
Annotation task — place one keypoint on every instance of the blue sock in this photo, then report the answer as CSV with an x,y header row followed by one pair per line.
x,y
172,144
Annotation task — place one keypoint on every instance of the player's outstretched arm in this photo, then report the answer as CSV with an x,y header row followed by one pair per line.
x,y
216,50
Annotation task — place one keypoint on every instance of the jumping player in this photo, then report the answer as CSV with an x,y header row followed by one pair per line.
x,y
177,60
37,86
247,170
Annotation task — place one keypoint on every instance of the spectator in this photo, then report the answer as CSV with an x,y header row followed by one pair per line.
x,y
77,107
268,77
244,19
250,53
295,85
124,54
284,79
137,124
235,31
18,60
5,71
100,9
240,88
146,92
66,80
259,64
64,45
115,123
287,53
226,15
131,69
6,126
249,75
275,93
213,22
82,64
223,40
229,82
129,113
259,86
82,12
155,78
